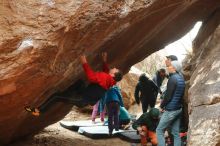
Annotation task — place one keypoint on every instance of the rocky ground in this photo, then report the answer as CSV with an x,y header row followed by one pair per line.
x,y
55,135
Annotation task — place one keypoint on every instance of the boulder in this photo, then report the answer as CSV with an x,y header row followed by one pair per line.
x,y
41,42
127,86
204,95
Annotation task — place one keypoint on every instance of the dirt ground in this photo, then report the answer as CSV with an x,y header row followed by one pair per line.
x,y
55,135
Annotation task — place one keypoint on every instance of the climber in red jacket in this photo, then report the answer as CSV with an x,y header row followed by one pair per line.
x,y
105,79
79,95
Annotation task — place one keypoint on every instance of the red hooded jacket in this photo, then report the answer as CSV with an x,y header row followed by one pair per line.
x,y
102,78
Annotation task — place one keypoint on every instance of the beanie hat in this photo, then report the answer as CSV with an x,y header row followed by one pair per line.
x,y
177,65
154,113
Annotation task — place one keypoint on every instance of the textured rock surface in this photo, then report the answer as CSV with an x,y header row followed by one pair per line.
x,y
128,86
204,93
40,42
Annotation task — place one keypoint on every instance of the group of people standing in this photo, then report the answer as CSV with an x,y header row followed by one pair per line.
x,y
103,92
154,123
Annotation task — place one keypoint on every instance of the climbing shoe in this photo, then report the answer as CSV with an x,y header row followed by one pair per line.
x,y
33,111
28,109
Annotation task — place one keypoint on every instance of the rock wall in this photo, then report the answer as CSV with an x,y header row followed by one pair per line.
x,y
40,42
204,93
127,86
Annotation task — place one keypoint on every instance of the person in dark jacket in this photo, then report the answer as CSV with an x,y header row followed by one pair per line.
x,y
172,105
158,80
159,77
144,92
146,126
113,102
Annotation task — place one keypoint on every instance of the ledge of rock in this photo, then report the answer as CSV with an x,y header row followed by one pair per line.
x,y
41,40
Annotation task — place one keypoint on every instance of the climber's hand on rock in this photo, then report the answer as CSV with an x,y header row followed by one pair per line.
x,y
104,56
83,59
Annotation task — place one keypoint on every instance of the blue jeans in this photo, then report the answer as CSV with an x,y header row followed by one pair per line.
x,y
169,119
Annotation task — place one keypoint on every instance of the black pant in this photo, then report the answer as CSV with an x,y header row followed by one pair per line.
x,y
154,99
57,98
77,94
113,116
145,103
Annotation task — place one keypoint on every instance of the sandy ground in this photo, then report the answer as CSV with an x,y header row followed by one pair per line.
x,y
55,135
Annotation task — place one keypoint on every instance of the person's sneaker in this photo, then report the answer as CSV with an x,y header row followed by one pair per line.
x,y
93,122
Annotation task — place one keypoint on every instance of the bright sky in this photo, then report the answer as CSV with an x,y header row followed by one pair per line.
x,y
180,47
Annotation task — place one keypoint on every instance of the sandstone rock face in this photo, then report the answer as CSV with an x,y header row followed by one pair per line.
x,y
127,86
40,42
204,93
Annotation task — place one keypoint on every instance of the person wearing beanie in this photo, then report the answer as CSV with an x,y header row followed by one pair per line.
x,y
169,59
177,65
146,126
171,106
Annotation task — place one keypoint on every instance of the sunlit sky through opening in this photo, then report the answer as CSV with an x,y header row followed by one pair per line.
x,y
184,44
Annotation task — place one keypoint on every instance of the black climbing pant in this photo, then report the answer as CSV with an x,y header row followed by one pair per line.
x,y
77,94
113,116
